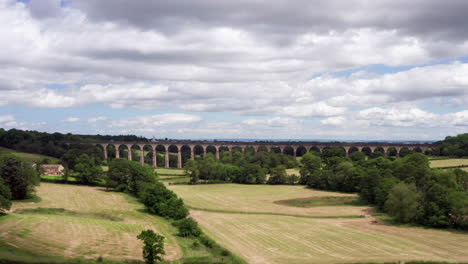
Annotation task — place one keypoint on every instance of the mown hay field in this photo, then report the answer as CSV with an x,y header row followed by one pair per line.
x,y
261,198
82,221
448,163
286,239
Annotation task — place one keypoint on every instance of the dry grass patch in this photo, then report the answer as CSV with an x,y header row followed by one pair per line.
x,y
448,163
293,171
82,221
285,239
260,198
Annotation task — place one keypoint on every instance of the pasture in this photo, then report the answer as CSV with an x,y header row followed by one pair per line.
x,y
445,163
293,224
28,157
285,239
261,199
81,221
171,171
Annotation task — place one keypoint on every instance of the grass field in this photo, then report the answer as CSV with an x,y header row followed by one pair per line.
x,y
285,239
57,178
448,163
28,157
81,221
260,198
255,222
164,171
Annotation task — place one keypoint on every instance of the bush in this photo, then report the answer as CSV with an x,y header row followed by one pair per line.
x,y
206,241
161,201
403,202
187,227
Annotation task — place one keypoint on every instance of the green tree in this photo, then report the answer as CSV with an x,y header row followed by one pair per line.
x,y
187,227
278,175
161,201
357,156
310,164
403,202
88,171
5,197
458,209
153,247
129,176
382,190
19,177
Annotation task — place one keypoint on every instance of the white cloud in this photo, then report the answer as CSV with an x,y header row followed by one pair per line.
x,y
274,122
398,116
312,110
225,61
96,119
334,121
72,119
6,118
156,121
458,118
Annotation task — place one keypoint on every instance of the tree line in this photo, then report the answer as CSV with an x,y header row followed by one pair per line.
x,y
405,188
52,144
453,146
246,168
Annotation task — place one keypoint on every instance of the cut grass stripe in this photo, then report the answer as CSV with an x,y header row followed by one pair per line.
x,y
269,213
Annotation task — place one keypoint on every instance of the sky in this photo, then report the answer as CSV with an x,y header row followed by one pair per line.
x,y
256,69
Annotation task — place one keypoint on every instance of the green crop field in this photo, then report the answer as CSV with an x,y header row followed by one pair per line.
x,y
164,171
28,157
286,239
81,221
448,163
261,198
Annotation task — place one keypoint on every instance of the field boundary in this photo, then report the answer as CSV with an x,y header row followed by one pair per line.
x,y
270,213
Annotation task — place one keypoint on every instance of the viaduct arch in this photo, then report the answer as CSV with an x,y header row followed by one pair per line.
x,y
230,146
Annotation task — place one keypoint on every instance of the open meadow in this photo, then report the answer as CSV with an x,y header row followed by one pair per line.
x,y
81,221
170,171
445,163
250,221
286,239
262,199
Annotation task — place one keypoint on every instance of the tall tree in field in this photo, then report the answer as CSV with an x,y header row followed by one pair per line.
x,y
153,247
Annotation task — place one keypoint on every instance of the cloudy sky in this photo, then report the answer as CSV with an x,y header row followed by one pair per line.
x,y
262,69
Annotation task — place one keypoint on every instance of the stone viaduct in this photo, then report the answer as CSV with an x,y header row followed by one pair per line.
x,y
219,146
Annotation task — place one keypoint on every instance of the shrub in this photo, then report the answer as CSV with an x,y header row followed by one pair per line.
x,y
188,227
161,201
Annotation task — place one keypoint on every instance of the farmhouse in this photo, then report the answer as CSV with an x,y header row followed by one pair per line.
x,y
52,169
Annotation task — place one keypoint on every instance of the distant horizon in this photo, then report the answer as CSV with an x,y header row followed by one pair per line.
x,y
248,139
